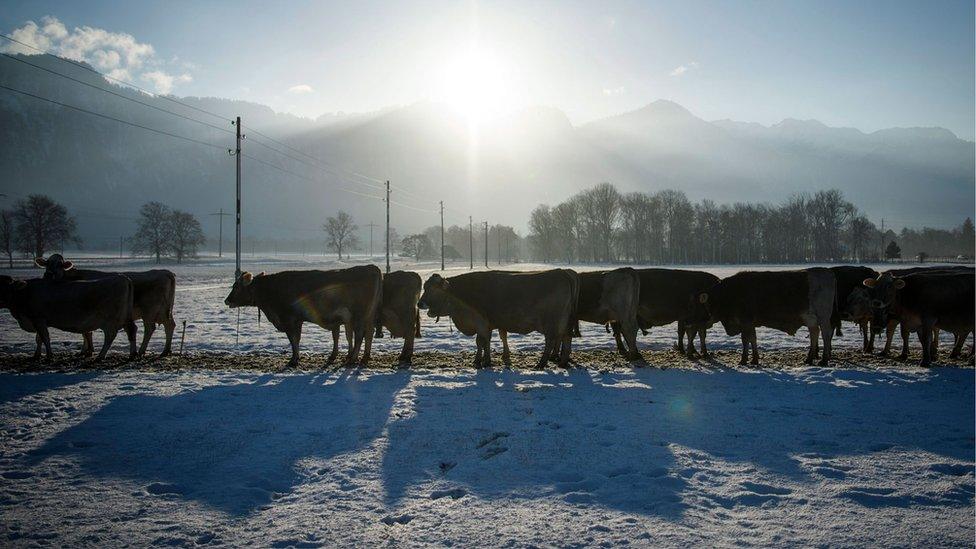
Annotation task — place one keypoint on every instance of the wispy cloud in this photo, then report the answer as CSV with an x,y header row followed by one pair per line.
x,y
300,89
682,69
117,54
610,92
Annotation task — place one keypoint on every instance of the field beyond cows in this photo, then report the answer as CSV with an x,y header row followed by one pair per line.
x,y
223,446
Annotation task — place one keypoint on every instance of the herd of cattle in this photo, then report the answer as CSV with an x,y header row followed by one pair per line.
x,y
363,301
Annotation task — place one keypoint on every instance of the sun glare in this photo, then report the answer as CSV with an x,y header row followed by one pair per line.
x,y
477,84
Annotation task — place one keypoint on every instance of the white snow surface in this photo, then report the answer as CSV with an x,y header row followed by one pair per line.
x,y
691,456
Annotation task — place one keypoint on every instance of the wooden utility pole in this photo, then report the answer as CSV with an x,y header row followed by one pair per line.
x,y
388,227
471,241
442,235
486,244
220,231
240,166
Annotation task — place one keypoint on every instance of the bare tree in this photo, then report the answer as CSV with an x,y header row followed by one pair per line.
x,y
418,245
185,233
859,232
153,234
340,232
42,224
7,235
543,231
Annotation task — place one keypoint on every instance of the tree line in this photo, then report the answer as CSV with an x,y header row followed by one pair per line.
x,y
602,225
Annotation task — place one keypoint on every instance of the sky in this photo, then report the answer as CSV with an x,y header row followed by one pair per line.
x,y
863,64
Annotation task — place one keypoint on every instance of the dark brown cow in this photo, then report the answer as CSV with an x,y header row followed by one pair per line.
x,y
399,312
347,297
480,302
782,300
612,297
667,296
154,293
925,302
850,280
77,307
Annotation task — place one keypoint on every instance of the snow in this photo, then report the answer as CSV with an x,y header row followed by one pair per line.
x,y
700,454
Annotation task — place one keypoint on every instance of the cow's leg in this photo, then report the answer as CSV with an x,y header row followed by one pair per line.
x,y
367,331
615,328
690,351
45,338
130,334
925,332
169,326
335,346
957,345
406,354
864,336
905,336
352,358
680,347
87,347
38,341
828,346
755,346
107,344
148,327
486,360
506,353
479,353
934,344
565,349
294,334
812,349
745,347
546,351
871,335
701,341
889,335
629,329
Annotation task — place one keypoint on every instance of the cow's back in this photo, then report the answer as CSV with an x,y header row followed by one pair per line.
x,y
520,302
946,297
321,297
80,305
666,294
764,298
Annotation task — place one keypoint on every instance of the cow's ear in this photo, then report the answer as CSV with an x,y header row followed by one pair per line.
x,y
40,262
246,278
68,265
703,298
869,282
899,283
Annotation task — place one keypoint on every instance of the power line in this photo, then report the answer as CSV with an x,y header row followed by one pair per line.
x,y
289,147
325,169
119,120
275,166
127,98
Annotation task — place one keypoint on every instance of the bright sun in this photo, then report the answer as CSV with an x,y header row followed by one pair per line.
x,y
477,85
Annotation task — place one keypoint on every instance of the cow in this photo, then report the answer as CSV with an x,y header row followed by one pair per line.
x,y
479,302
782,300
612,298
926,301
667,296
849,280
399,312
347,297
79,307
154,293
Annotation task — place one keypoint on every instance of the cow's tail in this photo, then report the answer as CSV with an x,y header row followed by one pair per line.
x,y
574,282
378,308
835,313
170,296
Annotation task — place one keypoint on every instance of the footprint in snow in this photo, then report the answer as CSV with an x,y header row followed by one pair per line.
x,y
491,438
952,469
455,493
765,489
390,520
162,488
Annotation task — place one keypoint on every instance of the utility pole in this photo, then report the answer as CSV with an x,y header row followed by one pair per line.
x,y
471,241
371,225
883,258
240,166
387,227
486,244
442,235
220,231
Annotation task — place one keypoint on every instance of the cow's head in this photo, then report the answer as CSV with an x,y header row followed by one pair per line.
x,y
8,286
242,294
700,308
884,289
54,266
858,306
435,300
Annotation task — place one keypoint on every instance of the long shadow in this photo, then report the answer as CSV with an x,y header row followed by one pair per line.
x,y
17,386
232,447
634,440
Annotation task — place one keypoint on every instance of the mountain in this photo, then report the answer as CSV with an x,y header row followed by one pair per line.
x,y
103,170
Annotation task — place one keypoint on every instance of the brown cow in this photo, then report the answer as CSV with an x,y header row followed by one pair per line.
x,y
479,302
667,296
399,312
849,281
78,307
925,302
612,297
348,297
154,293
783,300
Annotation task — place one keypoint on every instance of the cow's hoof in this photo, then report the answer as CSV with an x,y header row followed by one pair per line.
x,y
743,362
165,353
823,363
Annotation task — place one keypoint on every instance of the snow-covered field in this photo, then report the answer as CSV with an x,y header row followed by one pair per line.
x,y
700,454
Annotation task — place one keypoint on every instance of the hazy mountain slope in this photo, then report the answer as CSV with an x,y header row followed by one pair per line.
x,y
104,170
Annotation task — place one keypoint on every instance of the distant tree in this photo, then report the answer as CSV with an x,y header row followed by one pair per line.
x,y
542,228
859,232
922,256
451,253
7,235
892,250
418,245
41,224
967,237
185,233
153,236
395,241
340,232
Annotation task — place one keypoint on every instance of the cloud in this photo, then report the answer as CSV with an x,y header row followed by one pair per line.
x,y
682,69
300,89
610,92
117,54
